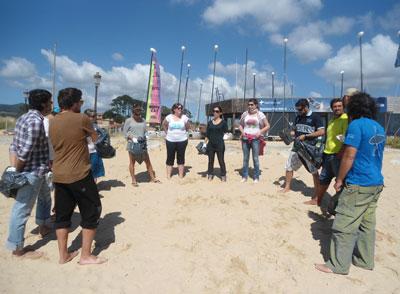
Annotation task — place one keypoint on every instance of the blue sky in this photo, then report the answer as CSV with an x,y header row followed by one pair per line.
x,y
114,37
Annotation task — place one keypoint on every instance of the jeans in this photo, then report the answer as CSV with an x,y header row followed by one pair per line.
x,y
255,147
24,202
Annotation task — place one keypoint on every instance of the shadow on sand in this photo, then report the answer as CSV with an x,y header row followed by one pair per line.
x,y
107,185
296,186
321,230
105,234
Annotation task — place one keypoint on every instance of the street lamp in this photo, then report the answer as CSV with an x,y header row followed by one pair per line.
x,y
341,83
360,34
273,84
97,79
213,79
186,86
254,85
183,48
285,40
198,108
26,96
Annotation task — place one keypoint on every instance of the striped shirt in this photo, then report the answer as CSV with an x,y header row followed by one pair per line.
x,y
30,143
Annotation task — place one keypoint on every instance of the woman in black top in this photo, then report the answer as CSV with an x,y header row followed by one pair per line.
x,y
216,128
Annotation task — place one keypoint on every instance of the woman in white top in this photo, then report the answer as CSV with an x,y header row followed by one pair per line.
x,y
253,124
176,126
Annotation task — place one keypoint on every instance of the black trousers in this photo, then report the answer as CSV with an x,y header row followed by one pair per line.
x,y
177,148
211,151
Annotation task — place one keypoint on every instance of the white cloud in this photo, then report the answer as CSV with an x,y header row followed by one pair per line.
x,y
117,56
378,65
17,67
314,94
391,20
307,41
270,14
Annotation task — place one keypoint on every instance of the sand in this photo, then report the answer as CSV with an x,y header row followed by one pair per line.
x,y
194,236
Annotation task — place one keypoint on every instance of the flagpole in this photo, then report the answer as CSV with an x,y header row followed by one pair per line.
x,y
360,34
54,73
285,40
186,86
245,81
198,108
213,79
153,51
183,48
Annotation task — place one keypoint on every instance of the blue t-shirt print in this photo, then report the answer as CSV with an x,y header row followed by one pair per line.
x,y
368,137
176,125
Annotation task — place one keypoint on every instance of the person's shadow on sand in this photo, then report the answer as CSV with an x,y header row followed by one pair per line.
x,y
175,170
321,230
107,185
105,234
251,172
296,186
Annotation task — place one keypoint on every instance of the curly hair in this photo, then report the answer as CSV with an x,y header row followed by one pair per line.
x,y
37,98
362,105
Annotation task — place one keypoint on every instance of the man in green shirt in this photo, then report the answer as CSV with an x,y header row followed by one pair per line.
x,y
335,133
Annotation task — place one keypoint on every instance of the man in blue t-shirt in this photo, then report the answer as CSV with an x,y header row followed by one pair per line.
x,y
361,182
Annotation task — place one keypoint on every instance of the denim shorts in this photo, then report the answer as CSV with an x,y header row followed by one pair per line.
x,y
330,168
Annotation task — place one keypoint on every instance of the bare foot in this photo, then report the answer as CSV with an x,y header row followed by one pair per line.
x,y
323,268
135,184
92,260
155,180
313,201
29,254
69,257
284,190
44,230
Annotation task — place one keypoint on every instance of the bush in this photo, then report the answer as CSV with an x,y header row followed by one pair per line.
x,y
393,142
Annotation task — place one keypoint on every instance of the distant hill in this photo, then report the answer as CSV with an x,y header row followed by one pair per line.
x,y
11,109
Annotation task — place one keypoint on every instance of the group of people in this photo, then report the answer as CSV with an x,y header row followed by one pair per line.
x,y
353,155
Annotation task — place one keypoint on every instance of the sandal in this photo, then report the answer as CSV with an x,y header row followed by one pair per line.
x,y
154,180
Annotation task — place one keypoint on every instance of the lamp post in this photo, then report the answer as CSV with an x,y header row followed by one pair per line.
x,y
360,35
26,96
183,48
186,86
213,79
285,40
341,83
273,84
254,85
97,79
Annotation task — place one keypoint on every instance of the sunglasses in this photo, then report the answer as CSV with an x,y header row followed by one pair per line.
x,y
180,108
299,109
216,111
250,104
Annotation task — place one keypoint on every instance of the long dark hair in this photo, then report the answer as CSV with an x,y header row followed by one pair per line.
x,y
362,105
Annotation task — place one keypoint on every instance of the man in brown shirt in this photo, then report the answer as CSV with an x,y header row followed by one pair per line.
x,y
73,181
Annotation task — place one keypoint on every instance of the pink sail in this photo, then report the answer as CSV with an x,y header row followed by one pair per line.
x,y
153,108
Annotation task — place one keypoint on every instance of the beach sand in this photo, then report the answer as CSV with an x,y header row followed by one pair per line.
x,y
194,236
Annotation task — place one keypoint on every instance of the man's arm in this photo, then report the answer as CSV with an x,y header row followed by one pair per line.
x,y
345,165
318,133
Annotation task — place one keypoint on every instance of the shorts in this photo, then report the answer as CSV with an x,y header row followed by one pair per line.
x,y
294,163
330,168
83,193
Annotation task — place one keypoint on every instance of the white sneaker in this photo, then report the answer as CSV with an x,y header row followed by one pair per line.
x,y
256,181
244,180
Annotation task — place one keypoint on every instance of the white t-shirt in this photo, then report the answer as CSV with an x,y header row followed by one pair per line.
x,y
176,128
46,130
252,123
91,147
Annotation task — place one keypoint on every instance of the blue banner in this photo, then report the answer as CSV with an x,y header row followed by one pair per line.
x,y
316,104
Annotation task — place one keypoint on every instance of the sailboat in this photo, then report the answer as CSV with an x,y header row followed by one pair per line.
x,y
153,102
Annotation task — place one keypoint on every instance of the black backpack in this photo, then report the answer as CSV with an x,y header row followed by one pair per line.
x,y
103,144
